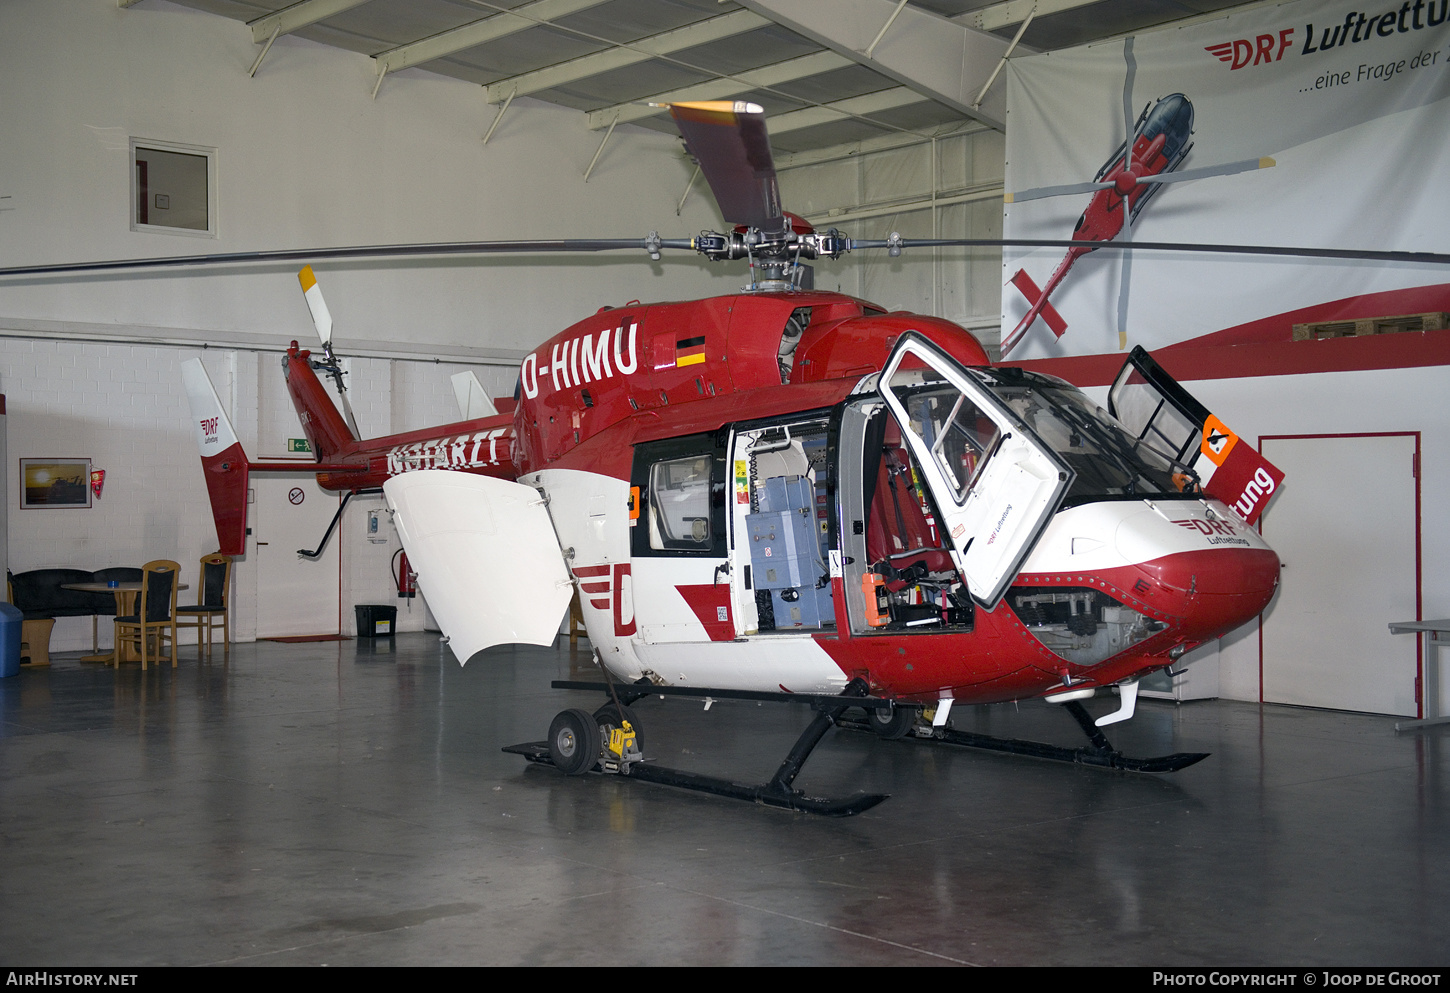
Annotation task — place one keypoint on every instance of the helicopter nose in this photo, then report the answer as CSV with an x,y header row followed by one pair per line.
x,y
1213,590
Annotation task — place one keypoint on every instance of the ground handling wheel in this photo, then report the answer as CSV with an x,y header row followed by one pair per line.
x,y
613,715
574,742
621,744
891,724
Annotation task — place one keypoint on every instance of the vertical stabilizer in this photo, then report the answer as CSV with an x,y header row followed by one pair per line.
x,y
473,399
327,432
222,458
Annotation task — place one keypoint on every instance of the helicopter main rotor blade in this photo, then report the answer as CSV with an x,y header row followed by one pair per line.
x,y
1349,254
729,142
1227,169
563,246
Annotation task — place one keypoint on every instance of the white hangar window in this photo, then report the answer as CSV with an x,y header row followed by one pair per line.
x,y
173,188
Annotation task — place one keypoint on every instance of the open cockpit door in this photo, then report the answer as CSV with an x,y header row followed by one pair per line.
x,y
994,482
486,556
1163,416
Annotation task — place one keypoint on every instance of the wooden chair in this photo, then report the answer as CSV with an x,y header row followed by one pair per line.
x,y
155,613
211,605
576,620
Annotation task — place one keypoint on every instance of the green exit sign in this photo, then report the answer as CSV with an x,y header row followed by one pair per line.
x,y
298,445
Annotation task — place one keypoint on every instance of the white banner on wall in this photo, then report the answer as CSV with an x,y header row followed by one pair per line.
x,y
1350,101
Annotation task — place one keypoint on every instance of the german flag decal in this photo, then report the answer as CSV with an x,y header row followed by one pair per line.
x,y
690,351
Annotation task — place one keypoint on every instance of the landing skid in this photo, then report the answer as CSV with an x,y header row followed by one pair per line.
x,y
1099,752
777,792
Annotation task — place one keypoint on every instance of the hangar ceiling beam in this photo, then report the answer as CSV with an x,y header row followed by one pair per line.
x,y
862,107
1001,15
882,143
725,86
299,15
479,32
699,33
938,58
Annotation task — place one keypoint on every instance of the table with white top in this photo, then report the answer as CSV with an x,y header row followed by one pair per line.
x,y
1434,635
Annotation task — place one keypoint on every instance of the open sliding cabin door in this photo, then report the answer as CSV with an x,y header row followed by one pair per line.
x,y
994,482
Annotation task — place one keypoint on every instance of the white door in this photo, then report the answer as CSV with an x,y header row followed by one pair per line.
x,y
295,595
1344,525
995,483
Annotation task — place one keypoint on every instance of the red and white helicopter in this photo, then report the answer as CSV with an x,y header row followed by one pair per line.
x,y
792,494
787,494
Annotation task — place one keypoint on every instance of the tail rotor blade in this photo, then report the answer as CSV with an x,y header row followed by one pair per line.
x,y
321,317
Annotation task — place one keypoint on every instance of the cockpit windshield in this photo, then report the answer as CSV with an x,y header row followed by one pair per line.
x,y
1109,462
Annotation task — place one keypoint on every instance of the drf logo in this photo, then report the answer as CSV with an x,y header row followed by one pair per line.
x,y
1240,51
209,427
1209,528
615,594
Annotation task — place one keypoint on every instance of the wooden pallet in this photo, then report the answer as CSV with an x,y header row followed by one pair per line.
x,y
1370,325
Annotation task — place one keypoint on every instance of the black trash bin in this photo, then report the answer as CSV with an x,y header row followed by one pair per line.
x,y
376,620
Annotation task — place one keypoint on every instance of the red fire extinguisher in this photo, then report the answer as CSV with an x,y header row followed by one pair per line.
x,y
403,577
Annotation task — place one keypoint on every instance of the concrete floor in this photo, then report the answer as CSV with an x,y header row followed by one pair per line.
x,y
347,803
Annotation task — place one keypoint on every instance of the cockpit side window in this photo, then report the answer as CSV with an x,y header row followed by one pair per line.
x,y
958,433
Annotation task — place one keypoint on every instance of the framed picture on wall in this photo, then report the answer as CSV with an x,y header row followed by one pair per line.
x,y
54,483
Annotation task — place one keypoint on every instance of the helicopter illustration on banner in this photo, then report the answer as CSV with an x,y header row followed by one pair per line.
x,y
1156,146
786,494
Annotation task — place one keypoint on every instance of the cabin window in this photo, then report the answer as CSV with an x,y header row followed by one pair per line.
x,y
679,504
681,483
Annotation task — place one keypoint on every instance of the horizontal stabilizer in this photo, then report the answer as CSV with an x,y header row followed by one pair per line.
x,y
486,556
222,458
473,399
